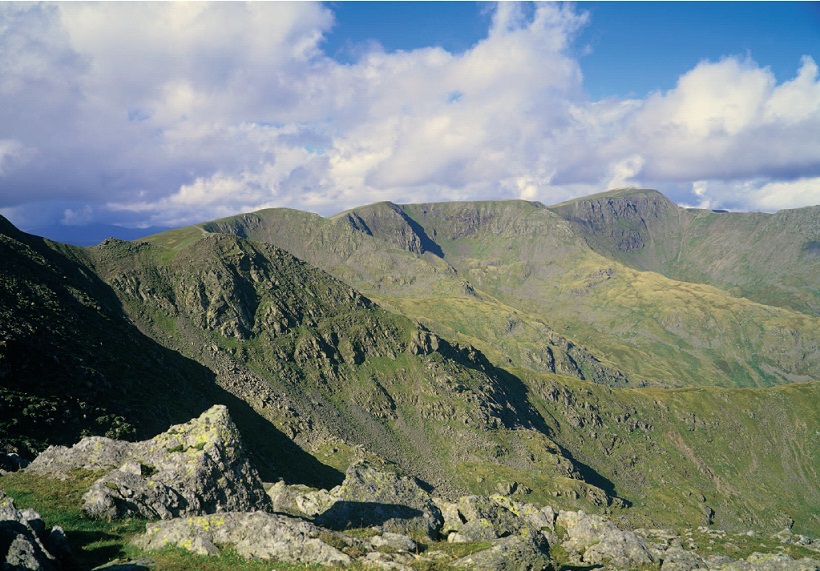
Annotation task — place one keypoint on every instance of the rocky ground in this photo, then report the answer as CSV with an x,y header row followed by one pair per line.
x,y
196,486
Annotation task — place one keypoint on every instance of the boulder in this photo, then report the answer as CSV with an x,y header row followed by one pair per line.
x,y
599,541
94,453
371,498
676,558
476,518
24,542
525,551
257,535
300,501
388,561
396,542
195,468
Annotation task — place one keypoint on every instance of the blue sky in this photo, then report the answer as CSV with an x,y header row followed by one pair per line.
x,y
628,48
158,114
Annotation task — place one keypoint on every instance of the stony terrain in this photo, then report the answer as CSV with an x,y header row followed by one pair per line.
x,y
374,519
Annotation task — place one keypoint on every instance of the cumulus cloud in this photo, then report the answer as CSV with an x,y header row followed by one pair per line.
x,y
165,113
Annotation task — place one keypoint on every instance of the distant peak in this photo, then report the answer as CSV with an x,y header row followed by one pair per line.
x,y
617,193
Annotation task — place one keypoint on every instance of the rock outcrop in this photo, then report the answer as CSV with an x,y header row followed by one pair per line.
x,y
24,541
527,550
257,535
195,468
371,498
595,540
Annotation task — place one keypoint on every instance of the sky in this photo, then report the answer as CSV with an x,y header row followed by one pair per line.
x,y
153,115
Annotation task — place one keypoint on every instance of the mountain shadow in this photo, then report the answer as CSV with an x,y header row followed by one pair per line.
x,y
72,364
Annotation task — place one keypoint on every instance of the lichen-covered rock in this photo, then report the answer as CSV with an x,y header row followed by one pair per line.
x,y
449,513
195,468
475,518
371,498
525,551
23,539
299,500
388,561
393,541
676,558
257,535
93,453
599,541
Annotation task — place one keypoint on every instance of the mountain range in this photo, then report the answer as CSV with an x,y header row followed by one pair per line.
x,y
617,353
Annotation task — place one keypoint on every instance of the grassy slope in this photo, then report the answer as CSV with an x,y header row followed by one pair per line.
x,y
659,330
768,258
659,326
750,455
340,375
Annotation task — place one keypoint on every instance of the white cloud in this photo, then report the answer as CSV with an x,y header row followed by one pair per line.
x,y
77,217
787,194
172,113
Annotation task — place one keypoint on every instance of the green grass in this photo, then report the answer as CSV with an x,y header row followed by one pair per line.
x,y
92,542
95,542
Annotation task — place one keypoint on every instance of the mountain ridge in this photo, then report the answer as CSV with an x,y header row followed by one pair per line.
x,y
456,386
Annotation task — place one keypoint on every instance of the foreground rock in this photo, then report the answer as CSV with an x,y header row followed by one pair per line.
x,y
195,468
477,518
594,540
371,498
525,551
24,542
258,535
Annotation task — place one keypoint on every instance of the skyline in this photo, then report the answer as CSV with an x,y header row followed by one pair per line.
x,y
169,114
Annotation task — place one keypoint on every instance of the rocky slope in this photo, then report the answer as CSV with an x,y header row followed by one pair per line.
x,y
486,396
310,366
374,520
522,284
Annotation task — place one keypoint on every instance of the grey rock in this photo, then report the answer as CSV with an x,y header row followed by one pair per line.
x,y
22,536
57,543
257,535
371,498
717,561
678,559
11,462
194,468
91,453
475,518
599,541
449,512
506,488
301,501
127,565
526,551
486,519
388,561
393,541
